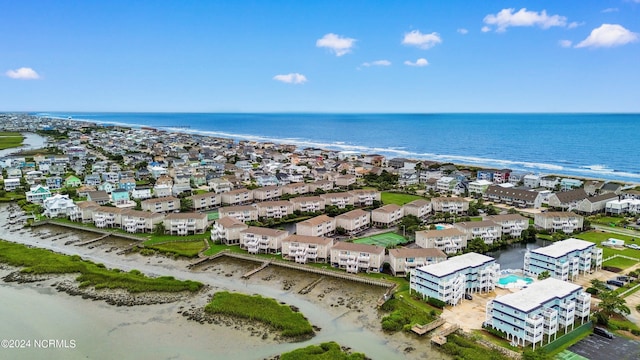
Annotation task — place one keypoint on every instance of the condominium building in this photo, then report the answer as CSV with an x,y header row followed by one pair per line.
x,y
274,209
134,221
531,314
296,188
419,208
267,193
302,248
567,222
449,280
325,185
161,205
340,200
512,224
487,230
624,206
364,197
205,201
308,203
262,240
514,197
237,197
564,260
387,215
357,257
243,213
450,241
317,226
354,221
454,205
404,260
227,230
185,223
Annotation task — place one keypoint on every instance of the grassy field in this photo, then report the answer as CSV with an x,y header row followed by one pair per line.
x,y
10,140
384,240
40,261
397,198
325,351
189,248
264,310
597,237
620,263
606,220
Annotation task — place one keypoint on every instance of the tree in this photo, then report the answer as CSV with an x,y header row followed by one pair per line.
x,y
186,204
611,303
477,245
159,229
543,275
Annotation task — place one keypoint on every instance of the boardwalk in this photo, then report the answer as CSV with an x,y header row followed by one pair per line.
x,y
423,329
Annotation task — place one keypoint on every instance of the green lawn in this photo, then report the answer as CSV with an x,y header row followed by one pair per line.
x,y
620,263
10,140
597,237
324,351
159,239
606,220
397,198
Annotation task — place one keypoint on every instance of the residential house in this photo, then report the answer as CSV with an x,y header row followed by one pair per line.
x,y
242,213
354,221
84,211
100,197
567,222
611,188
624,206
120,198
355,258
419,208
220,185
59,205
162,190
321,226
128,184
570,184
344,181
485,174
12,184
527,316
141,193
72,182
450,240
531,181
595,204
549,182
479,187
53,182
449,280
446,184
567,200
501,176
592,187
387,215
403,260
38,194
564,260
303,249
262,240
107,187
92,180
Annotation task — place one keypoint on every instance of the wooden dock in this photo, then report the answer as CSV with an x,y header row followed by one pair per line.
x,y
248,274
441,337
305,290
423,329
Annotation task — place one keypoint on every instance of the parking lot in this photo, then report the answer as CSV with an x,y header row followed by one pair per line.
x,y
596,347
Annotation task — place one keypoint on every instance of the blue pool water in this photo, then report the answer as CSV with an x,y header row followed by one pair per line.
x,y
513,278
440,227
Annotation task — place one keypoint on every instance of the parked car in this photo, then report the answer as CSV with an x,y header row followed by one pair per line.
x,y
617,283
623,278
468,296
602,332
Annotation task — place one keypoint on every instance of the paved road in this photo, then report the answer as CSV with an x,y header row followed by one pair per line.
x,y
616,230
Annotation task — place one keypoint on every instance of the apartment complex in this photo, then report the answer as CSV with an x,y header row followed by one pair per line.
x,y
487,230
262,240
357,257
227,230
303,249
450,241
564,260
449,280
527,316
317,226
455,205
402,261
567,222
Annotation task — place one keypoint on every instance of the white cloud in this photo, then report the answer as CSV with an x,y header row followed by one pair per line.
x,y
420,62
485,29
565,43
377,63
462,31
23,73
340,45
291,78
608,10
574,24
507,17
423,41
608,35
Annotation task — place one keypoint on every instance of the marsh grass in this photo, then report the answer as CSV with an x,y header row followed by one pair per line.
x,y
40,261
325,351
264,310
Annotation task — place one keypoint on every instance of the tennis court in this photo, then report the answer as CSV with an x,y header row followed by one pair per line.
x,y
384,240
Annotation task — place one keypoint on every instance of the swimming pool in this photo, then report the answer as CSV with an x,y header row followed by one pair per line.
x,y
440,227
513,279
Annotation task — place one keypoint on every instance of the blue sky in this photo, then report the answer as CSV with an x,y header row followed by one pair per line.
x,y
320,56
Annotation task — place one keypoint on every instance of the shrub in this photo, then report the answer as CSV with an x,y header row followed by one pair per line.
x,y
436,302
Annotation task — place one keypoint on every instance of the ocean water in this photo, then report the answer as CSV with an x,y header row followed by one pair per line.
x,y
601,146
